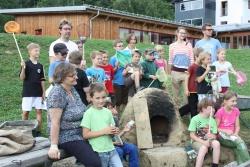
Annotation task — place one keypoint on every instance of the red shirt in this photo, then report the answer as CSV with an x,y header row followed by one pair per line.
x,y
192,84
109,72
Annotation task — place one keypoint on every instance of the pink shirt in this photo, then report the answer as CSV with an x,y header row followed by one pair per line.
x,y
227,119
161,63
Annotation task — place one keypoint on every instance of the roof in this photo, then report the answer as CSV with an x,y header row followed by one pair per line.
x,y
84,8
232,27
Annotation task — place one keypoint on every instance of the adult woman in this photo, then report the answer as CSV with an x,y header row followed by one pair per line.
x,y
132,41
180,58
65,112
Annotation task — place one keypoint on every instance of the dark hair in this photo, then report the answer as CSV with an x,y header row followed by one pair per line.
x,y
205,26
62,71
64,22
116,42
96,87
129,37
136,51
204,103
75,57
103,51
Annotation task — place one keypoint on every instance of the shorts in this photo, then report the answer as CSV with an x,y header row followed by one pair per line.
x,y
29,102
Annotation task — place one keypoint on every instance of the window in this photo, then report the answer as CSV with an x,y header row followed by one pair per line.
x,y
248,41
186,21
224,8
197,22
146,37
244,40
248,4
123,32
191,5
223,22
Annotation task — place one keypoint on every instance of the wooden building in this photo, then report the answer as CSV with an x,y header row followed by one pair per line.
x,y
234,35
99,23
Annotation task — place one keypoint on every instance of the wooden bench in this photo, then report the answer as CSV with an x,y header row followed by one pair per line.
x,y
37,156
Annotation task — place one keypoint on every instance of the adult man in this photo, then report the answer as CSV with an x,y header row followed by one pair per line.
x,y
208,43
65,28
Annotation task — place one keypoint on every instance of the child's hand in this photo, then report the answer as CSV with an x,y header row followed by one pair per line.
x,y
187,93
153,77
110,130
23,64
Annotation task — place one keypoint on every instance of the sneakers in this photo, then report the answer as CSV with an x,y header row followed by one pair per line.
x,y
192,154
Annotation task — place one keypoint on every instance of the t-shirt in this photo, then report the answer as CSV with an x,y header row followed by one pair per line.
x,y
82,82
71,46
96,120
200,126
223,75
109,73
210,45
131,67
96,74
192,83
73,109
53,66
161,63
34,75
227,119
118,78
203,87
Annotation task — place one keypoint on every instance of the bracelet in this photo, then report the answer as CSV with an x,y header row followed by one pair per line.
x,y
54,146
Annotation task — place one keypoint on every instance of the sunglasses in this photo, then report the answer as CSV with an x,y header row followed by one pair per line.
x,y
209,29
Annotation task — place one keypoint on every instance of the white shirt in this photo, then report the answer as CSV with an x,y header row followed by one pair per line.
x,y
72,46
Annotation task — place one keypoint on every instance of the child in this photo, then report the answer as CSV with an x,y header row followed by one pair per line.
x,y
121,91
60,51
126,148
149,78
191,87
203,77
82,86
109,73
227,118
95,73
98,126
161,62
132,74
32,74
203,130
223,67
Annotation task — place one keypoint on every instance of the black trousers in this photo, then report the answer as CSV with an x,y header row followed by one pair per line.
x,y
191,107
121,94
83,153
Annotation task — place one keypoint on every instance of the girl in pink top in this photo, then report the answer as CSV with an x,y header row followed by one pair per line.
x,y
161,62
227,118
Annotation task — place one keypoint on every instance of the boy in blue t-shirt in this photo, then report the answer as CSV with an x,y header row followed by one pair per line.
x,y
95,73
121,91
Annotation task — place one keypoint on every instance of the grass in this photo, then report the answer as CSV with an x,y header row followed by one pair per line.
x,y
11,86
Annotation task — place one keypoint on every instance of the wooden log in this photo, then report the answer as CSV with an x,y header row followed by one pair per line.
x,y
143,127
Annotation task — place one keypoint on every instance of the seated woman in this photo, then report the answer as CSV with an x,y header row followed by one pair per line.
x,y
65,112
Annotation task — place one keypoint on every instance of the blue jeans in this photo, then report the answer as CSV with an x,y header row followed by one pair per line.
x,y
132,151
110,159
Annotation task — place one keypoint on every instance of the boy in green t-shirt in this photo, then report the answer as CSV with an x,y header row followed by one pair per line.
x,y
203,130
98,126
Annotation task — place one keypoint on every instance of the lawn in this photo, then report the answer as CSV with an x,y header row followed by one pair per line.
x,y
11,86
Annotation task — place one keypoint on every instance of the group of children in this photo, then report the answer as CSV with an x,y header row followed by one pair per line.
x,y
121,82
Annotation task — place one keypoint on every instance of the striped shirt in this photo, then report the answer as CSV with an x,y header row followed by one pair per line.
x,y
181,55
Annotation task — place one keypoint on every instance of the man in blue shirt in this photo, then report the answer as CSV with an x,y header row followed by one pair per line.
x,y
209,44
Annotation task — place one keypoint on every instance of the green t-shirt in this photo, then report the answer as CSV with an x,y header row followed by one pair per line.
x,y
199,125
95,120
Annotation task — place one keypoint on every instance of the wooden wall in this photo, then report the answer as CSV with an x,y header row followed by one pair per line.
x,y
104,26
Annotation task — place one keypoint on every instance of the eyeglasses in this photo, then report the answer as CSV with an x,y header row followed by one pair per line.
x,y
66,29
209,29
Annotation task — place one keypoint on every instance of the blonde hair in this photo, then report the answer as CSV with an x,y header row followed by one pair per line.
x,y
221,50
158,48
33,46
204,103
228,95
94,54
75,57
202,57
197,51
